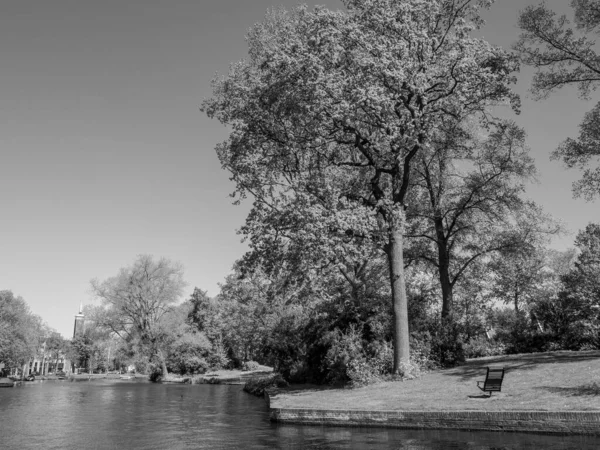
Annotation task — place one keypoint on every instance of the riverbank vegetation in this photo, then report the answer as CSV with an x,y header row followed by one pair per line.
x,y
24,336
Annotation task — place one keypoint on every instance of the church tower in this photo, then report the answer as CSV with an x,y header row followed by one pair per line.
x,y
79,320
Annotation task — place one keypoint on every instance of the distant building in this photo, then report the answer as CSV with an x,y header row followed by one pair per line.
x,y
79,322
43,364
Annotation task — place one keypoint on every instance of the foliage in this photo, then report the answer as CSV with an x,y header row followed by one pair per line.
x,y
481,346
468,201
518,334
447,344
21,332
519,275
138,298
564,56
218,359
578,320
188,354
332,110
55,347
250,366
258,385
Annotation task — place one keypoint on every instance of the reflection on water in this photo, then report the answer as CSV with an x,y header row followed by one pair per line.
x,y
128,415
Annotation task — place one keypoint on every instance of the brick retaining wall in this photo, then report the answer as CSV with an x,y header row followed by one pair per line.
x,y
566,422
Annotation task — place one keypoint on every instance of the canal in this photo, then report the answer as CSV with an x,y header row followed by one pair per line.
x,y
133,415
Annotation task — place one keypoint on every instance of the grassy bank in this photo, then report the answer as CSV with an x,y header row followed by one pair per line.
x,y
557,381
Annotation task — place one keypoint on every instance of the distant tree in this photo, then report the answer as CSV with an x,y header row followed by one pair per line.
x,y
56,347
21,332
572,311
519,275
563,56
332,111
137,299
81,350
468,201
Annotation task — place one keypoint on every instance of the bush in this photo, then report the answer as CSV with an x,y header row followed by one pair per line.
x,y
481,346
420,352
249,366
218,359
518,335
142,366
361,373
256,386
155,374
344,348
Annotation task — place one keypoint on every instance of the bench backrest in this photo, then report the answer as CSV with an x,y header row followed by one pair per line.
x,y
493,379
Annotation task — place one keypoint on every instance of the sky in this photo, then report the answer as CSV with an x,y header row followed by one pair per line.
x,y
104,154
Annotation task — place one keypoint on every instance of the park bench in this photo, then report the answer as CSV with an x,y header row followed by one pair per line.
x,y
493,380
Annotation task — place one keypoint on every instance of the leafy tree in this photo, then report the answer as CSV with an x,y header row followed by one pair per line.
x,y
21,331
56,347
564,56
137,299
469,200
581,292
333,110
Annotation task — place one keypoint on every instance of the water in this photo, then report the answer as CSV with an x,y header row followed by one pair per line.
x,y
131,415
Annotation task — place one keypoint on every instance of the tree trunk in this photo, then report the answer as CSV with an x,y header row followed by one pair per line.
x,y
163,364
443,267
395,256
445,283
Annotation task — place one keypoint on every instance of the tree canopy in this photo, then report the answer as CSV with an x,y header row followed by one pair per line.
x,y
138,298
21,332
332,110
564,56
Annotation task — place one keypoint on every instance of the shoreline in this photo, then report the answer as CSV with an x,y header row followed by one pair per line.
x,y
550,393
540,422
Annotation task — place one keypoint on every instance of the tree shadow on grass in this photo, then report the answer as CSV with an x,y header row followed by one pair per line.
x,y
476,368
592,389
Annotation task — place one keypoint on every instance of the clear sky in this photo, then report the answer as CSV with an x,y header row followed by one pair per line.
x,y
104,154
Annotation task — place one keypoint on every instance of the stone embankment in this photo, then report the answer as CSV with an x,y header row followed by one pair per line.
x,y
565,422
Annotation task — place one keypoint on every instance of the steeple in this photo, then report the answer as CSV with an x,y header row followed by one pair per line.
x,y
79,321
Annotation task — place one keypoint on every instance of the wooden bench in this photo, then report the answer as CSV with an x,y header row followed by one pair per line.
x,y
493,380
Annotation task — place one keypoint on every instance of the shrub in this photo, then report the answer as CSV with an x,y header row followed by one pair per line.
x,y
218,359
519,335
155,373
142,366
447,344
420,352
481,346
250,365
361,373
344,347
256,386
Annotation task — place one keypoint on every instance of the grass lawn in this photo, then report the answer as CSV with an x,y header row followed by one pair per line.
x,y
557,381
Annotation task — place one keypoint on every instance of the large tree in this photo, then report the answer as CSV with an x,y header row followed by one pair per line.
x,y
21,332
566,56
138,297
332,110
